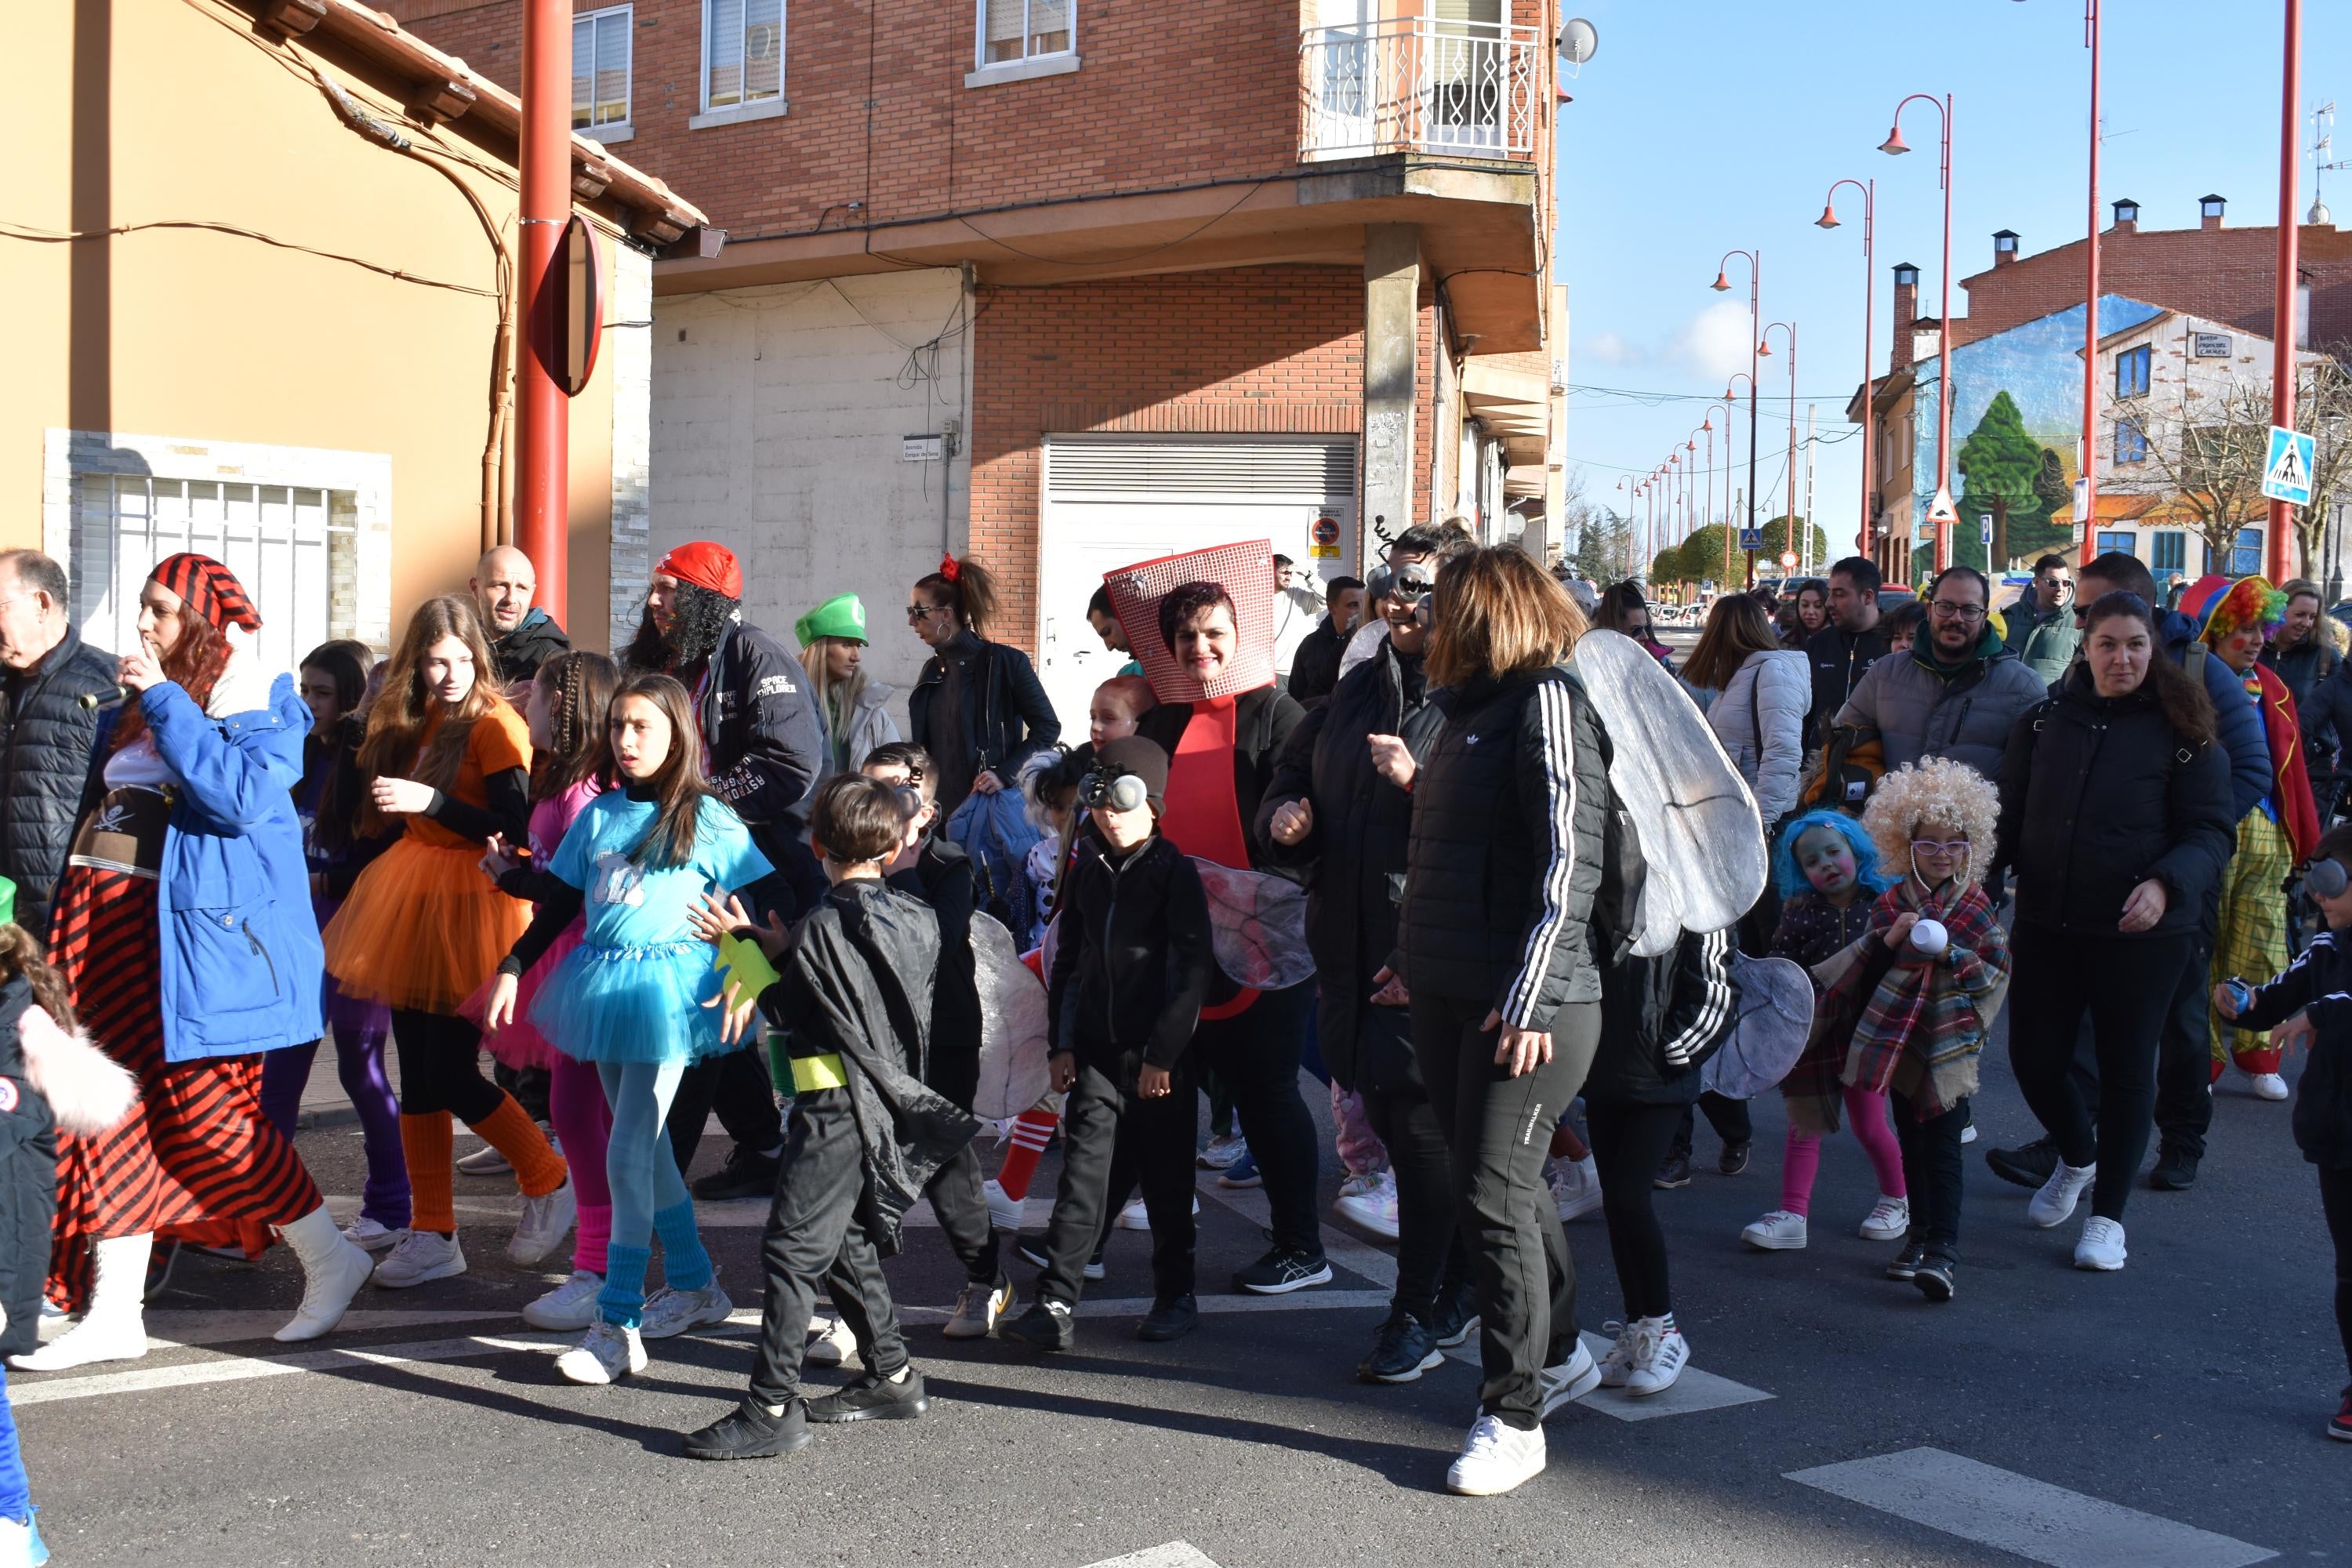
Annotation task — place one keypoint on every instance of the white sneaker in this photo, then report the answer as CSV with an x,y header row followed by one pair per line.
x,y
420,1256
668,1313
570,1306
1968,1133
1570,1380
1779,1231
485,1161
829,1343
2269,1085
1375,1210
2102,1246
1004,1208
976,1310
2057,1196
1889,1221
607,1353
545,1220
1617,1362
1495,1459
101,1336
1133,1217
1659,1353
369,1236
1359,1183
1576,1188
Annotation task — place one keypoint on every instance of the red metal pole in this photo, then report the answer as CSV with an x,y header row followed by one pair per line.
x,y
1944,355
2091,312
2282,345
1869,399
542,423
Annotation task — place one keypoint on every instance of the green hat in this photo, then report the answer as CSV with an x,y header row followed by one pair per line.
x,y
8,901
839,617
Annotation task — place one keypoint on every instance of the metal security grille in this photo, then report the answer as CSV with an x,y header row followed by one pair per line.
x,y
279,540
1079,469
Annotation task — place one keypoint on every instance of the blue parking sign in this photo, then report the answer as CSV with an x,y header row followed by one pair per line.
x,y
2286,475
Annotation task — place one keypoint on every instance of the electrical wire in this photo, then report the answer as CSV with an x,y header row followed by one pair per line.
x,y
46,237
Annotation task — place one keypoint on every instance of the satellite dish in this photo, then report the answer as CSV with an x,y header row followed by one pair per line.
x,y
1577,41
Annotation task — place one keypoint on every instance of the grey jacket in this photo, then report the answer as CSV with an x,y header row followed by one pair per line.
x,y
1760,719
1915,712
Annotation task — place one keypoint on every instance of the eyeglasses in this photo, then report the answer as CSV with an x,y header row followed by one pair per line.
x,y
1948,611
1956,851
916,612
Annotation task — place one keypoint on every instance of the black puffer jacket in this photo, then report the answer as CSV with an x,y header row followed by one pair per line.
x,y
1840,658
45,738
1356,849
1517,838
1132,969
28,1177
2098,795
767,749
1660,1018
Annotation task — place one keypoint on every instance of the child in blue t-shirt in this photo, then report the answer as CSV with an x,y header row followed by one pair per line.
x,y
636,998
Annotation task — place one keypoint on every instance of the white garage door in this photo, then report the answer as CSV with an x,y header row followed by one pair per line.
x,y
1110,502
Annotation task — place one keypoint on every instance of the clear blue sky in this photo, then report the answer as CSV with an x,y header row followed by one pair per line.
x,y
1704,124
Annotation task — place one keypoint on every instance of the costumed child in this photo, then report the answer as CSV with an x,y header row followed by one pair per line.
x,y
1829,875
1907,1008
2311,1005
1128,979
635,999
2273,838
863,1137
572,764
1116,705
1050,780
446,763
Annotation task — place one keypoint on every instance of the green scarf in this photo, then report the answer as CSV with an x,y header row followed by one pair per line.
x,y
1922,650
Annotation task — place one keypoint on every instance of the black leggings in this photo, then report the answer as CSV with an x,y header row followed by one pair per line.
x,y
1430,1255
1629,1138
2335,1202
1256,1053
440,1068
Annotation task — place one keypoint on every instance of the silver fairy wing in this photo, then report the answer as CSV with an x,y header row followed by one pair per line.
x,y
1259,924
1012,1023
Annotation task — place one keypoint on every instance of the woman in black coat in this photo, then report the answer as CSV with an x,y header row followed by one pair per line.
x,y
978,707
2115,819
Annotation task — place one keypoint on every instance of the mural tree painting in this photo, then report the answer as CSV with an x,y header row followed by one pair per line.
x,y
2003,468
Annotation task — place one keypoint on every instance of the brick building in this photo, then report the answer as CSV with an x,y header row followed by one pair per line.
x,y
1071,283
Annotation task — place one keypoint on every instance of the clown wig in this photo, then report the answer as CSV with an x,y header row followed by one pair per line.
x,y
1790,878
2248,602
1937,790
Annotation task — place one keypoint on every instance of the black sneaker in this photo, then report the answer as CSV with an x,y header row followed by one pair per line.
x,y
2176,1171
1170,1318
1674,1172
2028,1165
1735,1158
748,1432
1455,1316
1032,1251
1045,1326
1282,1270
873,1397
747,1173
1935,1278
1401,1351
1906,1262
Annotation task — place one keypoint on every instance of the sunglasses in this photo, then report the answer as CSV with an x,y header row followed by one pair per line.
x,y
1411,587
916,612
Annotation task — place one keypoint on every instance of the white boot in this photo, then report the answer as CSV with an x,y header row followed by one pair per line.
x,y
333,1270
115,1327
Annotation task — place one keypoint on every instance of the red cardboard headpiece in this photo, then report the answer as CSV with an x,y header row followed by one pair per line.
x,y
1246,571
706,566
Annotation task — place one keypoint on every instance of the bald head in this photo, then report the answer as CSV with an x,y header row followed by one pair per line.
x,y
503,583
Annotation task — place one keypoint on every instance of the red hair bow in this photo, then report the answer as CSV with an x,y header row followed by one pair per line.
x,y
951,568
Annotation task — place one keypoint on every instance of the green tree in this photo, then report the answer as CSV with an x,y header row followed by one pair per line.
x,y
1777,536
1601,539
1702,556
2000,461
1668,567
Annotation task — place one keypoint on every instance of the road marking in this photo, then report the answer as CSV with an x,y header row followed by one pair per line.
x,y
1174,1554
170,1329
1692,1391
2016,1513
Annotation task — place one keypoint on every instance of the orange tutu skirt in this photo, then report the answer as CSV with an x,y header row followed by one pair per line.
x,y
424,926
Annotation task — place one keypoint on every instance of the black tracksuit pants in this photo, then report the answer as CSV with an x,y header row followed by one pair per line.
x,y
1727,1116
737,1086
1629,1139
2335,1202
1498,1129
958,1197
2184,1050
1429,1255
1257,1055
1932,1170
1099,1167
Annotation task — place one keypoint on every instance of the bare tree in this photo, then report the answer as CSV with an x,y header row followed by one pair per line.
x,y
2198,451
2323,409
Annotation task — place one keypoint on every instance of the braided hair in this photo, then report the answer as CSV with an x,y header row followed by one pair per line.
x,y
580,687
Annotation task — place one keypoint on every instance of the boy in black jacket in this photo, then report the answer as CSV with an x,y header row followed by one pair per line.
x,y
1125,995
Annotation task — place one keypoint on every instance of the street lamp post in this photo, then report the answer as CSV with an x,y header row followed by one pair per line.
x,y
1755,316
1829,220
2282,322
1764,346
1894,145
1731,396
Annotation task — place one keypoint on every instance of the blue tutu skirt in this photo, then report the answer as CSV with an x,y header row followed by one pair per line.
x,y
633,1004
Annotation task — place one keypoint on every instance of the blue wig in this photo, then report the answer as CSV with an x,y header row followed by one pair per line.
x,y
1791,879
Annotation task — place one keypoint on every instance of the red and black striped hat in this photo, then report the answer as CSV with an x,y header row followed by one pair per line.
x,y
210,589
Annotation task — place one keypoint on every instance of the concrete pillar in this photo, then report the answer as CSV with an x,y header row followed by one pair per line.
x,y
1392,338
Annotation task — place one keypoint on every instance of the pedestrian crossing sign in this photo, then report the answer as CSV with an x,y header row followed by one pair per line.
x,y
2287,475
1751,539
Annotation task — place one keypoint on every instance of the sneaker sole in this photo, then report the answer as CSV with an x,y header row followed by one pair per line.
x,y
1640,1393
2054,1221
902,1410
449,1271
1454,1342
1658,1186
1137,1224
1782,1244
1570,1393
1896,1233
2341,1434
1320,1276
2016,1175
1934,1288
2092,1266
600,1381
1430,1362
1152,1336
1093,1272
1247,1184
792,1444
1897,1272
1495,1487
706,1318
1578,1210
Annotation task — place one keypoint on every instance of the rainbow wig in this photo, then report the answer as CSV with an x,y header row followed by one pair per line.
x,y
2250,602
1790,879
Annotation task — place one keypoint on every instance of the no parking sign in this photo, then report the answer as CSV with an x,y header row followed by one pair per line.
x,y
1323,538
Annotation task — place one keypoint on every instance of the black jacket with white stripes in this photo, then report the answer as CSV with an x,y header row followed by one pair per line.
x,y
1660,1018
1516,834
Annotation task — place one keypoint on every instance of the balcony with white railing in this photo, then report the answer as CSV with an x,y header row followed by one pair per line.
x,y
1418,84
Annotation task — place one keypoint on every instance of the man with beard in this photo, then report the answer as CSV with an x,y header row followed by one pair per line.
x,y
763,751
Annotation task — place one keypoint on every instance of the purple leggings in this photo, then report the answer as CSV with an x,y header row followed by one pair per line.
x,y
359,1061
582,1119
1866,1116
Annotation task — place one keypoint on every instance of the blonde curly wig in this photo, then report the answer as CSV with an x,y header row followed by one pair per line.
x,y
1936,790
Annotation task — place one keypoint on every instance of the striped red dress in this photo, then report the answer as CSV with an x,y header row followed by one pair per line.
x,y
196,1147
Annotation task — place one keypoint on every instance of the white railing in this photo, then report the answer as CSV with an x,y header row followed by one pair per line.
x,y
1417,84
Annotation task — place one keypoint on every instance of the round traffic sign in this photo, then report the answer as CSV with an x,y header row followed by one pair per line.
x,y
1788,558
1325,531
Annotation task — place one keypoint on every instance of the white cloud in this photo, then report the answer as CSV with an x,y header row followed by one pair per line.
x,y
1714,341
1608,348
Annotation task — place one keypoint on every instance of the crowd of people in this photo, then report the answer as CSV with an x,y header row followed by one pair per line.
x,y
1374,834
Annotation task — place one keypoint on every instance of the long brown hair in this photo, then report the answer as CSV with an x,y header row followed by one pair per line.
x,y
2186,707
193,664
677,786
580,687
970,592
1498,614
20,954
1736,627
404,710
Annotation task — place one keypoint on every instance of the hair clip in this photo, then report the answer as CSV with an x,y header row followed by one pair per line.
x,y
951,568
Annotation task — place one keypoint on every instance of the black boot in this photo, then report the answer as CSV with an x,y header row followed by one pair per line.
x,y
1170,1318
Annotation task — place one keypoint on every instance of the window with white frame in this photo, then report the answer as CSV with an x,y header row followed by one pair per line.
x,y
1012,31
599,68
742,52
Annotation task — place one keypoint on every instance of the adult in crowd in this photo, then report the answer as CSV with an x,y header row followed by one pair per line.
x,y
1340,808
2184,1097
1315,670
1760,718
1623,609
2304,656
522,635
1512,846
1959,693
2114,807
1223,753
853,707
764,748
1843,651
2041,627
1297,607
978,707
1812,613
45,734
1105,621
194,814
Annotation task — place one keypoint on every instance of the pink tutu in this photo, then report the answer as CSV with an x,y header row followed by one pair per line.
x,y
519,1044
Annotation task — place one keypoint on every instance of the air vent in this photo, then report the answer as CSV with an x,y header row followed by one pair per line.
x,y
1312,470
